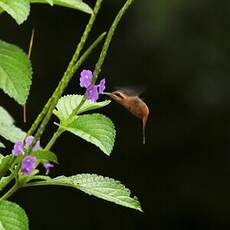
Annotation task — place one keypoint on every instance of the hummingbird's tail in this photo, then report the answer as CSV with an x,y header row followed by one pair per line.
x,y
143,134
143,130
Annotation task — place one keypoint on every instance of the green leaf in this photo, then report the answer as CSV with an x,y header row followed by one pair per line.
x,y
50,2
74,4
1,226
94,128
15,72
12,216
17,9
7,128
5,163
102,187
4,181
45,155
68,103
2,145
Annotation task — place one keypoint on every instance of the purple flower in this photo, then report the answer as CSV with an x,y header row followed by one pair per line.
x,y
36,146
29,141
48,166
92,93
86,78
28,165
18,148
101,86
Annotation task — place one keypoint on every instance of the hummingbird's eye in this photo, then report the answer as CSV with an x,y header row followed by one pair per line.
x,y
119,95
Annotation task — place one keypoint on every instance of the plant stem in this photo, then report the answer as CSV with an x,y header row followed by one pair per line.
x,y
76,66
48,109
37,183
50,105
9,179
54,138
39,118
104,50
109,38
88,51
10,192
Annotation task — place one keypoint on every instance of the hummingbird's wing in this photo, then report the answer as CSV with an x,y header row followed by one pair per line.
x,y
131,90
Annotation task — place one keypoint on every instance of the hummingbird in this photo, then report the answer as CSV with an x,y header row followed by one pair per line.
x,y
134,104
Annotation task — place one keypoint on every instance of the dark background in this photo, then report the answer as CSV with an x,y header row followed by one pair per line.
x,y
180,51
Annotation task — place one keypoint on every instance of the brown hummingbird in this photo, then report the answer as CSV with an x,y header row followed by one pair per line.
x,y
133,104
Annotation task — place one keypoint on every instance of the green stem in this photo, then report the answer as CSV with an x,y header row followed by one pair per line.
x,y
88,52
76,66
75,111
109,38
54,138
37,183
65,79
39,118
68,74
14,173
104,50
44,183
10,192
9,179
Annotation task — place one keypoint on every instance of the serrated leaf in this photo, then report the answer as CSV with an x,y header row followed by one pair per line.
x,y
15,72
5,163
12,216
45,155
68,103
74,4
7,128
102,187
94,128
17,9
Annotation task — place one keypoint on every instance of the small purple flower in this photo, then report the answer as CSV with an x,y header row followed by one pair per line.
x,y
36,146
18,148
92,93
48,166
28,165
101,86
86,78
29,141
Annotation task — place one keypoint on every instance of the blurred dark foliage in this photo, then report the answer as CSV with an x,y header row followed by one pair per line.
x,y
180,51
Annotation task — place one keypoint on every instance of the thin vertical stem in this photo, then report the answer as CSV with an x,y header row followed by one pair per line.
x,y
50,105
54,138
109,38
69,72
10,192
29,55
104,50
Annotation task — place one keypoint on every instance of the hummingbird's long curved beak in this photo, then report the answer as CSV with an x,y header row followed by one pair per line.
x,y
107,93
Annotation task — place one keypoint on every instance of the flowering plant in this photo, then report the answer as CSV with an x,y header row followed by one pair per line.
x,y
22,166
